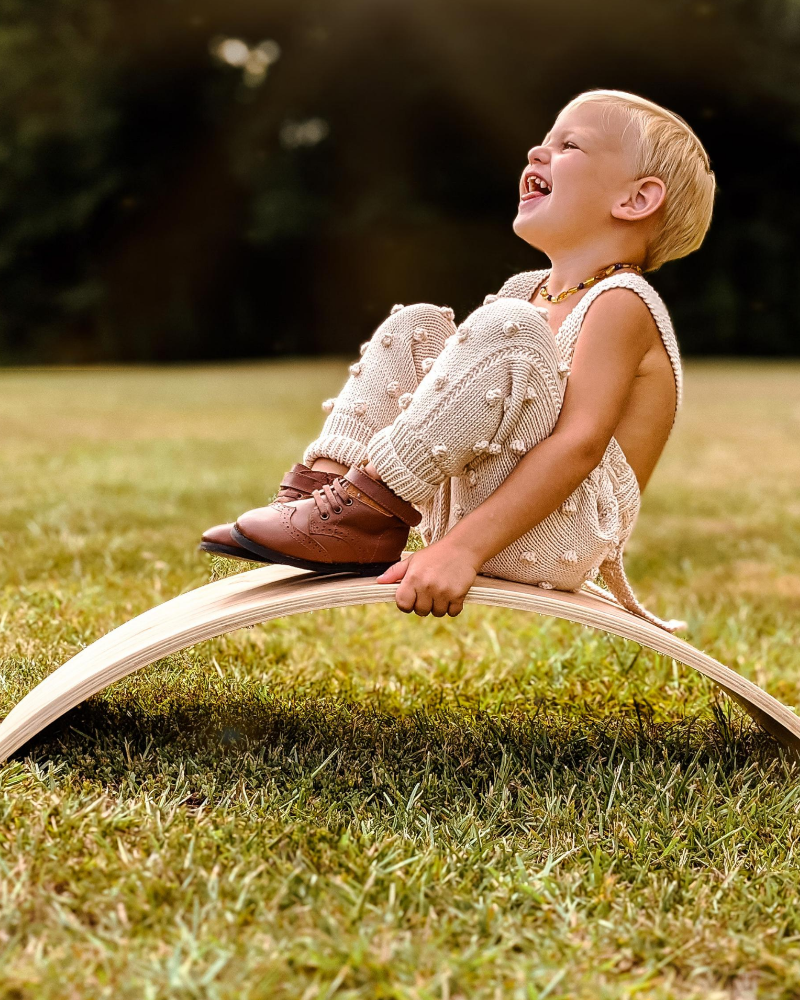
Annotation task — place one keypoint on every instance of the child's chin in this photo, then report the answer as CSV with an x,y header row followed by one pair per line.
x,y
525,227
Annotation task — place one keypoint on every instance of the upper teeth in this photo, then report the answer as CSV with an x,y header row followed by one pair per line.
x,y
533,180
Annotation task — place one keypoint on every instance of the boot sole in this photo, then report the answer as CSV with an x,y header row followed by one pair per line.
x,y
218,549
268,555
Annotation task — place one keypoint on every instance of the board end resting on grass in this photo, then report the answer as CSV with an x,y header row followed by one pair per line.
x,y
273,592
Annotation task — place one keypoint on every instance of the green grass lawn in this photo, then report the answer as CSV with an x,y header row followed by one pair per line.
x,y
357,803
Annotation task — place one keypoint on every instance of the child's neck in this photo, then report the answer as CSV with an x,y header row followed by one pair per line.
x,y
570,269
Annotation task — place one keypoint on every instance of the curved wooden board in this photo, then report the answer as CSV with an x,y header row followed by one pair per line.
x,y
277,591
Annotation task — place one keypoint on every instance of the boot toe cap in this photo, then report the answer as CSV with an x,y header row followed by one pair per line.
x,y
220,534
260,525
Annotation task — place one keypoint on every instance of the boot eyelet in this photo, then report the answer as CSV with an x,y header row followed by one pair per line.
x,y
349,502
324,517
337,510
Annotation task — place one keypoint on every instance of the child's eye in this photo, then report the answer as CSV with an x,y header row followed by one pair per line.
x,y
565,144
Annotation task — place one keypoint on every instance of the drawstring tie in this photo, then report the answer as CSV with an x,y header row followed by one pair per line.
x,y
613,574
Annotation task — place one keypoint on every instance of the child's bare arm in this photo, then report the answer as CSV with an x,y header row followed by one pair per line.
x,y
616,335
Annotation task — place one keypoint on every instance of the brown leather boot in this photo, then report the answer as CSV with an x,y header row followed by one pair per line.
x,y
299,482
355,525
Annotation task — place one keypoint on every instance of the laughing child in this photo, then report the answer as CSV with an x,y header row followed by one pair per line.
x,y
521,440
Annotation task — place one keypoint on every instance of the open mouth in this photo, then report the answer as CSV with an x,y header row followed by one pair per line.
x,y
536,188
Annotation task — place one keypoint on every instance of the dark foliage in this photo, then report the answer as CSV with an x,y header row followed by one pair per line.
x,y
156,207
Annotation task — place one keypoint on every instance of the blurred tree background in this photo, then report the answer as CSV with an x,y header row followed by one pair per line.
x,y
197,179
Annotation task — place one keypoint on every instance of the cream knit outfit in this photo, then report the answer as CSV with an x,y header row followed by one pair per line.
x,y
444,413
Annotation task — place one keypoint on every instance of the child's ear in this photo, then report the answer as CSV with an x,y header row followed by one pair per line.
x,y
645,196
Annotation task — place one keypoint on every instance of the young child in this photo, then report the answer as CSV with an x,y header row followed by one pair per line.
x,y
521,440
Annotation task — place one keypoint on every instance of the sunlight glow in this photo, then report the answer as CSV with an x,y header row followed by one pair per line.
x,y
254,62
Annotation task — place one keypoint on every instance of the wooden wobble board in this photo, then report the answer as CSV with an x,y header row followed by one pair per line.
x,y
278,591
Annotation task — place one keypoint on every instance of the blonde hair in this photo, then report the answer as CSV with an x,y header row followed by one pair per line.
x,y
666,147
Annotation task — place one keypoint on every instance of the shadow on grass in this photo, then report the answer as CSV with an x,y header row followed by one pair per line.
x,y
283,739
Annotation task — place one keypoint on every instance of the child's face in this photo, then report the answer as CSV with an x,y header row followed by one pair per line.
x,y
589,168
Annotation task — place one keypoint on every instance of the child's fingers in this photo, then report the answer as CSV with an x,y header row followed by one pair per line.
x,y
394,573
406,596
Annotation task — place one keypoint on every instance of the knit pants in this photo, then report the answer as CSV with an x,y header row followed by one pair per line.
x,y
445,413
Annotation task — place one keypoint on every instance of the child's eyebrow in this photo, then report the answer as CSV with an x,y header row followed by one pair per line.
x,y
580,133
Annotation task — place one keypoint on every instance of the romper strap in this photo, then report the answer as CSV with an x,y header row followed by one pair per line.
x,y
571,327
523,284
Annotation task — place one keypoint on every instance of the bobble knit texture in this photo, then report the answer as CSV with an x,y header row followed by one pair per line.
x,y
445,417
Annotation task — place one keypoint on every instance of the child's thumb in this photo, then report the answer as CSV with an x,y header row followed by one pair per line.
x,y
394,573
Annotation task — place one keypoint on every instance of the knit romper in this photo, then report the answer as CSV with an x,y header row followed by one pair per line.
x,y
445,412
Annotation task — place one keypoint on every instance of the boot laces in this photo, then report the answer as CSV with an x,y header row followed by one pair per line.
x,y
331,498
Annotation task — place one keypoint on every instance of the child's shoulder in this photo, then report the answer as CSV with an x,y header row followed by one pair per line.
x,y
639,284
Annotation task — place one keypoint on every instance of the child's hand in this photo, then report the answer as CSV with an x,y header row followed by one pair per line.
x,y
434,580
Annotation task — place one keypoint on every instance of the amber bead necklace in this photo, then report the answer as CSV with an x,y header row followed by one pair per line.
x,y
586,284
